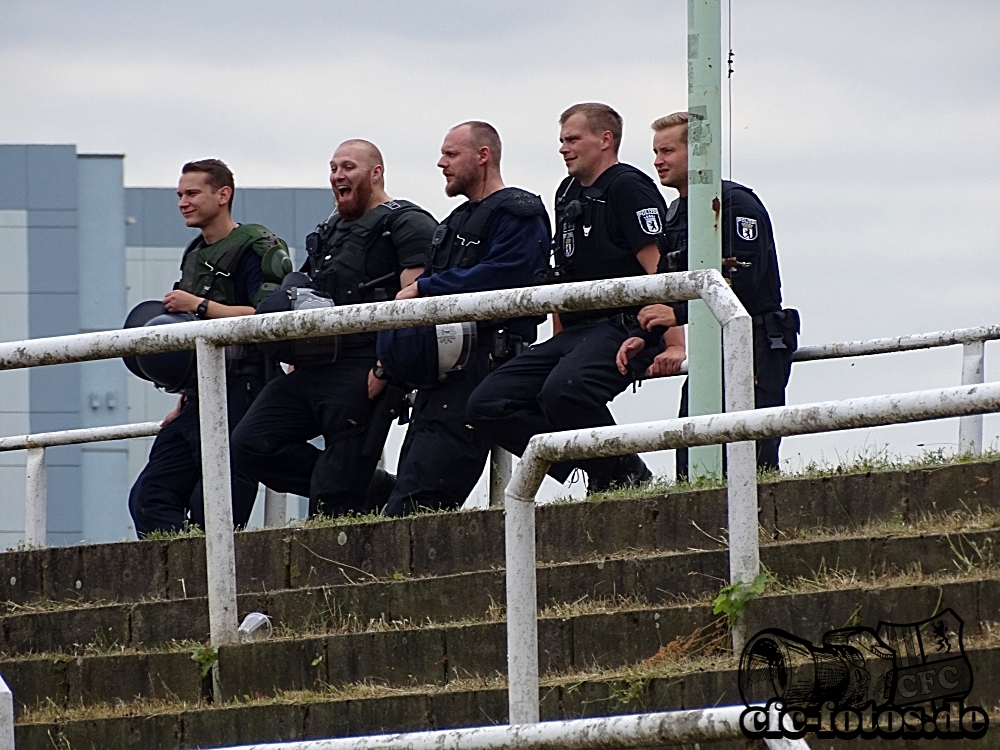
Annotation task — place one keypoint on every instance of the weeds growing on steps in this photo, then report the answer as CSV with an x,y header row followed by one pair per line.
x,y
867,460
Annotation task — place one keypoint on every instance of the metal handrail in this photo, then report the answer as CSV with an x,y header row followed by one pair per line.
x,y
742,426
629,731
209,338
36,482
970,429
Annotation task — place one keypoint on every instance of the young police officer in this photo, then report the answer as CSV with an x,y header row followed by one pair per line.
x,y
370,248
498,239
750,262
226,270
608,218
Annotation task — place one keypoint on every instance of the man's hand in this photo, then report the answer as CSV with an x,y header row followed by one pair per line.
x,y
667,362
179,302
629,348
652,316
409,292
173,414
375,385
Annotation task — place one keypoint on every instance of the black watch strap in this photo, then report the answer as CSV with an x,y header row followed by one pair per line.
x,y
202,310
379,372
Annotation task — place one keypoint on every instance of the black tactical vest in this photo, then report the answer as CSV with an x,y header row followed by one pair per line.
x,y
339,269
457,242
584,250
337,262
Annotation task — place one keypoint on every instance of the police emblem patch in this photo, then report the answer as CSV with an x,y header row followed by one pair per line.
x,y
649,220
746,228
569,243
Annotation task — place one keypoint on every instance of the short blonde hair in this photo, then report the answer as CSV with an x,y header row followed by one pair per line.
x,y
600,118
672,121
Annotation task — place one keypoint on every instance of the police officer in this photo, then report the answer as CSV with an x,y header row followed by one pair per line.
x,y
369,248
750,262
498,239
225,271
608,218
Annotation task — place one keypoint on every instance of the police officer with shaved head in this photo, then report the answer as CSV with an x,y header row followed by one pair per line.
x,y
750,263
366,251
497,239
609,217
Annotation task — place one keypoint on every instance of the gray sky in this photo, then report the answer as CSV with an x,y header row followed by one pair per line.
x,y
868,129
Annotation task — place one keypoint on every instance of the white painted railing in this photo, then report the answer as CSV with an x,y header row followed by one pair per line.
x,y
970,429
210,337
275,503
36,486
631,731
6,717
738,426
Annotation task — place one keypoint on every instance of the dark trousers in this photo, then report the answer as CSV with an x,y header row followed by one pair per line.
x,y
168,490
771,371
442,456
271,443
564,383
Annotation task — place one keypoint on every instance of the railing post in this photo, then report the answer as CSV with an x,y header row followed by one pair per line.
x,y
522,611
744,542
215,478
970,429
501,463
275,508
6,717
35,499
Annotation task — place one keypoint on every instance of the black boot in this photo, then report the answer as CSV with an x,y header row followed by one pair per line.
x,y
379,490
621,473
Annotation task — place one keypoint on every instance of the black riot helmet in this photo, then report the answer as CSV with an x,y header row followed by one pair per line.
x,y
171,371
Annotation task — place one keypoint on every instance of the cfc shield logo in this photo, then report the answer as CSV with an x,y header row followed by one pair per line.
x,y
746,228
649,220
901,680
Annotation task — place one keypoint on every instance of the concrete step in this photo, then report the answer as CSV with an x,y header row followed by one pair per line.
x,y
601,636
649,576
374,710
449,543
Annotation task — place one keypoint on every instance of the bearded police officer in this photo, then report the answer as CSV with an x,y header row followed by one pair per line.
x,y
750,262
609,216
371,247
498,239
225,271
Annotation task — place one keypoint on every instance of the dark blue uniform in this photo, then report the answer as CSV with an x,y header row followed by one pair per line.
x,y
443,456
168,491
566,382
750,262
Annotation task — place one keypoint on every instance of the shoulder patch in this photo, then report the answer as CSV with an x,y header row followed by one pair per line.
x,y
746,228
523,203
649,220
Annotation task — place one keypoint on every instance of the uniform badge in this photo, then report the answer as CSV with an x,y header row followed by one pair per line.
x,y
568,243
746,228
649,220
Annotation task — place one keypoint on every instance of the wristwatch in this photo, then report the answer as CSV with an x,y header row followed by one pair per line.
x,y
202,310
379,372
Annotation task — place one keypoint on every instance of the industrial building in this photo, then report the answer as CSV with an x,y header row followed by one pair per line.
x,y
80,249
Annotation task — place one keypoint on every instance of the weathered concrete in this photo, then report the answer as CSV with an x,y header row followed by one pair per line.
x,y
435,710
442,544
653,577
438,655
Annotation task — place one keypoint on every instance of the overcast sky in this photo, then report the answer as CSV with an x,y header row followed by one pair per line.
x,y
868,129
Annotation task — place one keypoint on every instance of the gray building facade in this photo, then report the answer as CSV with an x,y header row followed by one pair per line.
x,y
79,250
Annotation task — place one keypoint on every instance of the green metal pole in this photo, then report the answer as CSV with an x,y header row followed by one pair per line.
x,y
704,217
